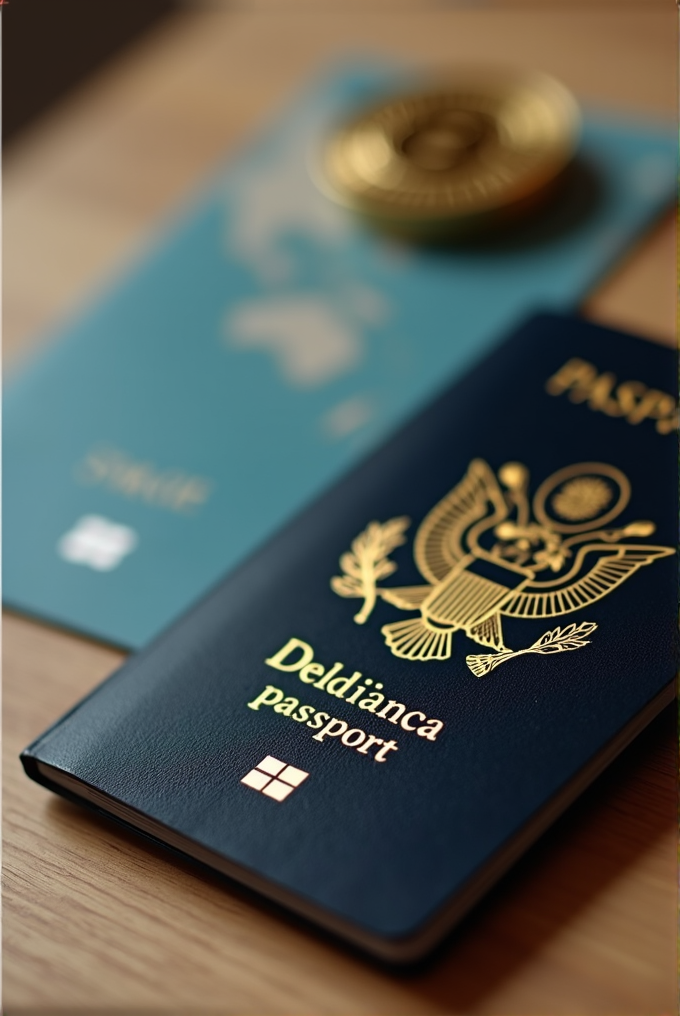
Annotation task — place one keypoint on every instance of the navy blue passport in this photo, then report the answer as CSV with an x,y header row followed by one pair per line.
x,y
372,717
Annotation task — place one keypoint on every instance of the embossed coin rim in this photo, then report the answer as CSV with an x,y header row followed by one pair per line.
x,y
344,183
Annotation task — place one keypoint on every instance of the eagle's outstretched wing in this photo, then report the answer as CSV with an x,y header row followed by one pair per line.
x,y
581,587
405,597
439,542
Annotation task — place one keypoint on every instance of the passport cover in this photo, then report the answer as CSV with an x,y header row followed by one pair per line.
x,y
375,714
260,347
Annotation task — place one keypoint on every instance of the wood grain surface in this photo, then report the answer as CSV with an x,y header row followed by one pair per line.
x,y
97,922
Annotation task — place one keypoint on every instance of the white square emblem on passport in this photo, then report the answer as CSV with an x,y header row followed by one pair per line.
x,y
274,778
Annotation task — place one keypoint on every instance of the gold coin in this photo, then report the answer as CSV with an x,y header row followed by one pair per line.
x,y
458,156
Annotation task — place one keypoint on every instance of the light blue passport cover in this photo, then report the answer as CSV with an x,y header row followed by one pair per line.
x,y
258,349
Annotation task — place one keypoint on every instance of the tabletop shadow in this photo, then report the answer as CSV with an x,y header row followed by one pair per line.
x,y
575,199
555,880
558,877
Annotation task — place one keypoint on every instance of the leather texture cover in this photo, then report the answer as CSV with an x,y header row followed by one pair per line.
x,y
502,572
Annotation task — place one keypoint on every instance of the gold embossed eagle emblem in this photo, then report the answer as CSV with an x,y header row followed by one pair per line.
x,y
485,552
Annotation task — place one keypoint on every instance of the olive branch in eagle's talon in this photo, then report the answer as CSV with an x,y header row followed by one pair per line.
x,y
559,640
367,562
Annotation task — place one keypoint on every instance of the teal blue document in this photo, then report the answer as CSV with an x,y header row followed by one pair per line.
x,y
259,347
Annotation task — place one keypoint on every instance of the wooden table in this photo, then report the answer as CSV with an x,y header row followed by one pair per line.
x,y
95,920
